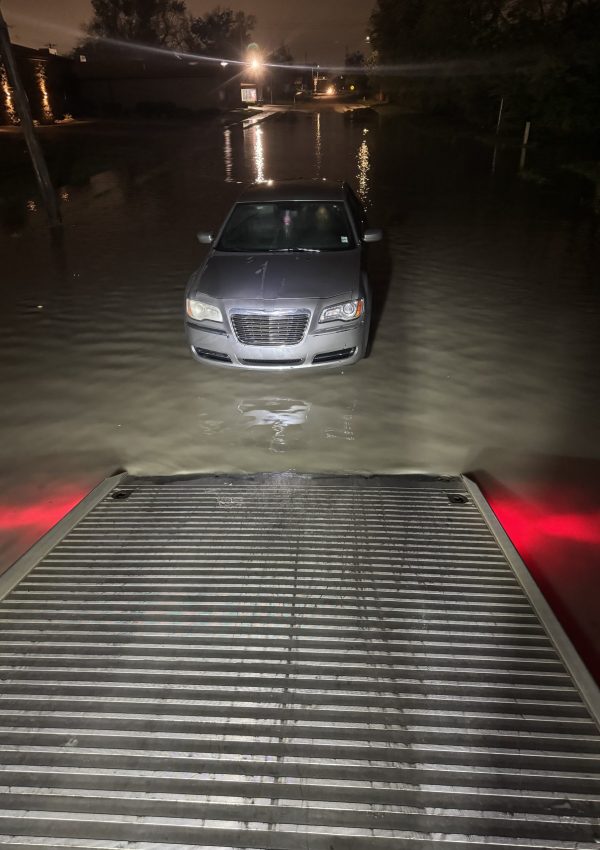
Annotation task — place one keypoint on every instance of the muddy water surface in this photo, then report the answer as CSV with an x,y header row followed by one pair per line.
x,y
486,355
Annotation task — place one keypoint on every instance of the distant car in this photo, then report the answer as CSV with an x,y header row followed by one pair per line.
x,y
284,285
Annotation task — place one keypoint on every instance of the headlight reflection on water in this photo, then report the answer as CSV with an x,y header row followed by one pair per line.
x,y
276,415
280,425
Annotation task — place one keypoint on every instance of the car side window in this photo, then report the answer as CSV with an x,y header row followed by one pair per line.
x,y
358,214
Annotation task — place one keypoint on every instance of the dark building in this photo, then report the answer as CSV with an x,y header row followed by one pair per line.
x,y
49,82
96,84
150,86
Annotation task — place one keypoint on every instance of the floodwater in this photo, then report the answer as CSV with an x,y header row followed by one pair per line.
x,y
486,355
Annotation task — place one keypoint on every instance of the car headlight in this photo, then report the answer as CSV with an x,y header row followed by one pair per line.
x,y
200,311
344,312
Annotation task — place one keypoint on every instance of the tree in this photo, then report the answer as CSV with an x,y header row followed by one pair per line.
x,y
355,59
144,22
429,30
550,47
405,30
222,33
355,78
281,79
280,56
393,27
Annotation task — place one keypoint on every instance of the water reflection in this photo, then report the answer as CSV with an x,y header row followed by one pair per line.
x,y
276,416
13,217
346,431
318,148
104,181
489,336
228,154
255,153
58,254
284,425
15,211
364,166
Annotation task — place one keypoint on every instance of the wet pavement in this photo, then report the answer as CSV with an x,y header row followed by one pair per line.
x,y
486,355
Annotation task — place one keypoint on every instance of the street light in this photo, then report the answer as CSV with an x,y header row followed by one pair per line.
x,y
255,68
254,59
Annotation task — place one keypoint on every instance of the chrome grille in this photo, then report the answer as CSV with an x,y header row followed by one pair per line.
x,y
270,328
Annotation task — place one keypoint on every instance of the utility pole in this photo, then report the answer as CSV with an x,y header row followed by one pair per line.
x,y
24,112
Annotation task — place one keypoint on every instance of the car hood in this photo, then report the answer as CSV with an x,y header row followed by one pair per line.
x,y
272,276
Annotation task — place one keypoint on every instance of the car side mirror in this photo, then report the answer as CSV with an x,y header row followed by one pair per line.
x,y
205,238
372,235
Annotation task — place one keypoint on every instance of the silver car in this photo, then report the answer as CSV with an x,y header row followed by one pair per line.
x,y
284,285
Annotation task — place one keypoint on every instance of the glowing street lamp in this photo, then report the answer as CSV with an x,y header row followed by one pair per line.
x,y
256,65
254,59
252,93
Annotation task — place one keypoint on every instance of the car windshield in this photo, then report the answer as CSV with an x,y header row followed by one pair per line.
x,y
288,226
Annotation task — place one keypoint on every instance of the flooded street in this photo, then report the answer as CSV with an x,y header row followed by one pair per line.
x,y
486,356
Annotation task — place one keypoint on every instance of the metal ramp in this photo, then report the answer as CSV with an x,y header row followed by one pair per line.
x,y
288,663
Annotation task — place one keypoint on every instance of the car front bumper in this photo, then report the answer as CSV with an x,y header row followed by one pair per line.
x,y
325,348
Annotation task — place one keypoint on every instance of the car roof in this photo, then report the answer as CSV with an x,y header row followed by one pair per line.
x,y
293,190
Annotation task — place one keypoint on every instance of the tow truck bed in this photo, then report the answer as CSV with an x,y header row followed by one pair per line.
x,y
288,662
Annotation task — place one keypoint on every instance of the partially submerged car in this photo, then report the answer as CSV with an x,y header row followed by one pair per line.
x,y
284,285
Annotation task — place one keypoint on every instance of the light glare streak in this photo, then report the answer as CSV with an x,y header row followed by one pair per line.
x,y
498,64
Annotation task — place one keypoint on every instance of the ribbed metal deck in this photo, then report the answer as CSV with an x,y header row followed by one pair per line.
x,y
287,664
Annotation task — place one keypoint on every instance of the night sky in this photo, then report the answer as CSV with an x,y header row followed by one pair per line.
x,y
318,30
